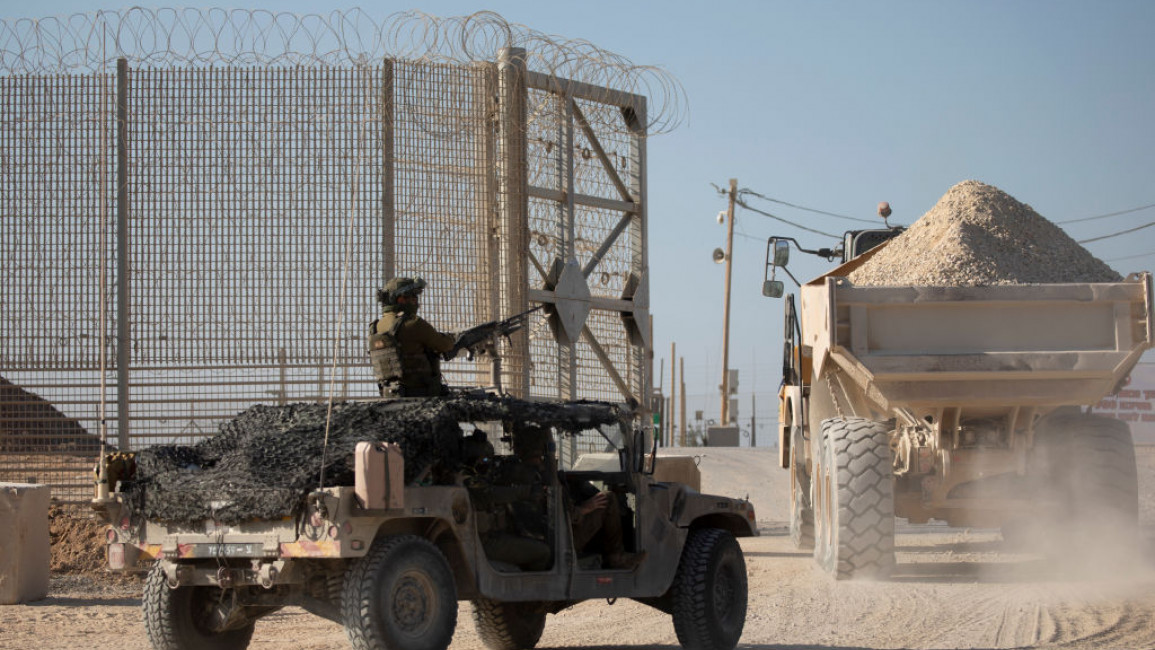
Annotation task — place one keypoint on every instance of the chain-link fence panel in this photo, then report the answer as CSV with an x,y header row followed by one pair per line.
x,y
198,205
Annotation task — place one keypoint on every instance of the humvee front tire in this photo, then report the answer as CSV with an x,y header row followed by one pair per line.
x,y
401,596
508,626
854,499
710,591
184,618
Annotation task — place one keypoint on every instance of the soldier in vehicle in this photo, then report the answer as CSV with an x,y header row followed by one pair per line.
x,y
596,517
512,499
596,521
404,349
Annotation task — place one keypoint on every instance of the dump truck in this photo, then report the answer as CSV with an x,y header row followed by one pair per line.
x,y
968,405
390,550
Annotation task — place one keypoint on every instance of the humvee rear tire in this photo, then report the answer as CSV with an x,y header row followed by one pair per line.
x,y
181,618
401,596
710,591
801,512
508,626
854,499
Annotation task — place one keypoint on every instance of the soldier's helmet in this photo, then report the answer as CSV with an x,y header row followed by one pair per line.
x,y
398,287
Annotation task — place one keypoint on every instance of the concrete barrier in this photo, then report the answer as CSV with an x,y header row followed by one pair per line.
x,y
25,549
722,437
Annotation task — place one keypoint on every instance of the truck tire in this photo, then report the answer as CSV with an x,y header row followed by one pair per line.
x,y
1088,463
853,492
400,596
1046,486
508,626
180,618
801,511
710,591
1104,481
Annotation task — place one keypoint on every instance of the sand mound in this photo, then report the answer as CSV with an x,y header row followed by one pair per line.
x,y
77,542
77,558
978,235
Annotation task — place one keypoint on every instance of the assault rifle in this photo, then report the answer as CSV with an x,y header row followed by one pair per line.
x,y
481,340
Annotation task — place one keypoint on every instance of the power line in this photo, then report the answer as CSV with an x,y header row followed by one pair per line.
x,y
1111,214
785,221
1116,234
800,207
1131,257
860,220
750,192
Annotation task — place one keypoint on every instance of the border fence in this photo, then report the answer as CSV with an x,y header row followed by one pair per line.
x,y
197,207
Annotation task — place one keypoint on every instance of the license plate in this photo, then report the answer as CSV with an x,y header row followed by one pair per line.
x,y
222,550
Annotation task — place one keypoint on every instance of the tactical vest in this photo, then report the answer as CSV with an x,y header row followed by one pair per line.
x,y
385,353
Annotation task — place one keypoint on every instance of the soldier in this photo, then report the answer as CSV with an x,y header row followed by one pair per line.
x,y
405,350
596,516
513,512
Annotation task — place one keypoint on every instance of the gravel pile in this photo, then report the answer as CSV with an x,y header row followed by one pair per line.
x,y
978,235
264,462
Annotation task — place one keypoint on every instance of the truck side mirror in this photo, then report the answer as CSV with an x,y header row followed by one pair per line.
x,y
772,288
781,252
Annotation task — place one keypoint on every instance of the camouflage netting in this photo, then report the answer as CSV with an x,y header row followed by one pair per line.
x,y
263,462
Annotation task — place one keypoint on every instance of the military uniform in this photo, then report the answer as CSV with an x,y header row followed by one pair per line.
x,y
404,349
512,517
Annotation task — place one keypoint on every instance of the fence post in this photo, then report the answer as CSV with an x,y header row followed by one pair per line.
x,y
123,269
388,200
514,207
491,300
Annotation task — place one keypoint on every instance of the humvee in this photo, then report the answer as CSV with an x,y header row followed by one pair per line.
x,y
391,542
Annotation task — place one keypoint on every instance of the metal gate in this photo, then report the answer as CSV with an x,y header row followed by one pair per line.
x,y
180,243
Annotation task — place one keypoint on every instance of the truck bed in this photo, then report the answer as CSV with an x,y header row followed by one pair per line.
x,y
1029,345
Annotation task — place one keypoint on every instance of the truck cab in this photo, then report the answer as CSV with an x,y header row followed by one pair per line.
x,y
855,243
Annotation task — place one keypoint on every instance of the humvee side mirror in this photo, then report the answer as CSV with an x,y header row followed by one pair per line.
x,y
772,288
638,451
781,252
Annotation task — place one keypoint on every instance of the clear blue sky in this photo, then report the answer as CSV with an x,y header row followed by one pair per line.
x,y
839,105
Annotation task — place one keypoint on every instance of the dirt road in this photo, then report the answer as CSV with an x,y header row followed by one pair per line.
x,y
953,588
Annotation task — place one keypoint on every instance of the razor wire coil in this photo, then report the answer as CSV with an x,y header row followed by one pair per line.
x,y
92,42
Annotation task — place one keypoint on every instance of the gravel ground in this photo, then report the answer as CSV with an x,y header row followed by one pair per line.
x,y
978,235
953,588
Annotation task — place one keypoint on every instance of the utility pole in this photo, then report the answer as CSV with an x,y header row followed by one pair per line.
x,y
673,388
682,394
725,419
660,411
753,421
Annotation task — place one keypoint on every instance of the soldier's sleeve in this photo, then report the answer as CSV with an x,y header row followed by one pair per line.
x,y
428,336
